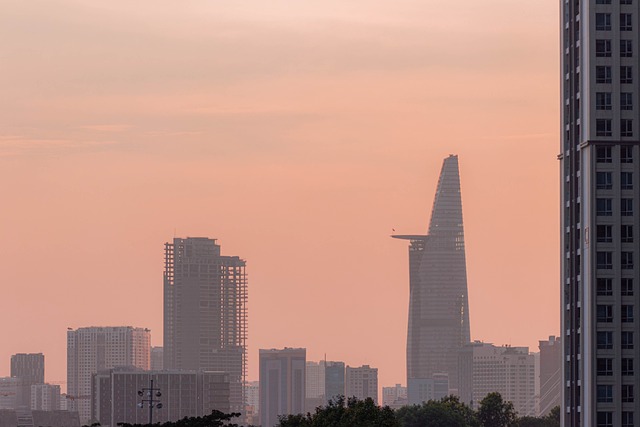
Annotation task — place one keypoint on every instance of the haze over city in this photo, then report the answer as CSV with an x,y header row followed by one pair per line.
x,y
301,136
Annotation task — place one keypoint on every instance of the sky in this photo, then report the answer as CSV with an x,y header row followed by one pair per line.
x,y
298,134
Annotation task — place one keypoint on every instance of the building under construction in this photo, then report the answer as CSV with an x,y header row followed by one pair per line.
x,y
205,312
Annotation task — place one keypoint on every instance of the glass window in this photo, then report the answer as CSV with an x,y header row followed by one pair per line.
x,y
627,416
626,233
604,180
626,49
604,313
626,207
626,260
603,127
603,74
604,233
627,393
626,340
603,100
626,101
603,1
603,207
604,393
604,286
627,366
604,366
626,74
626,127
626,154
604,419
603,48
626,181
603,21
605,340
625,22
626,286
626,313
621,1
603,154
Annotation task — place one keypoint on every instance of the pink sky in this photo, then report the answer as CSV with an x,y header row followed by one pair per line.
x,y
298,134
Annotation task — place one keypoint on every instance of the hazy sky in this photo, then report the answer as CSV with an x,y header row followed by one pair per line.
x,y
298,133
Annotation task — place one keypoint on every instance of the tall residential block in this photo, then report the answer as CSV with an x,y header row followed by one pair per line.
x,y
93,349
507,370
362,382
29,367
205,311
599,182
438,299
282,383
550,374
45,397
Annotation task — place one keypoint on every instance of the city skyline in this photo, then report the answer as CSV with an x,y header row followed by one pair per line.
x,y
296,167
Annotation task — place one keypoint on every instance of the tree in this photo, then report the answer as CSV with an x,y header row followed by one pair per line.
x,y
215,419
495,412
447,412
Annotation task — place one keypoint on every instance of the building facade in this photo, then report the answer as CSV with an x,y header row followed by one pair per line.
x,y
116,396
29,367
93,349
599,171
282,383
205,311
438,298
157,359
550,374
334,382
314,385
394,397
45,397
9,389
362,383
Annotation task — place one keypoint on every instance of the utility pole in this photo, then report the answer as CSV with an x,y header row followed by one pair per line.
x,y
150,393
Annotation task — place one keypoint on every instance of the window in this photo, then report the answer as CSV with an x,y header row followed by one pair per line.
x,y
626,340
603,154
626,181
626,101
604,260
603,127
627,393
626,74
626,260
621,1
626,154
603,207
604,286
626,287
625,22
604,313
626,127
604,181
626,49
605,340
603,48
604,419
626,233
626,313
604,366
603,21
603,1
626,207
604,393
604,234
603,100
627,366
627,417
603,74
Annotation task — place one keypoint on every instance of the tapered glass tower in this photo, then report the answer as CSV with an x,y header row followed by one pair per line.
x,y
438,304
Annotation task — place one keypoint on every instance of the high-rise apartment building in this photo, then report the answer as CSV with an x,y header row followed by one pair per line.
x,y
362,382
315,385
600,177
9,389
93,349
205,311
550,374
29,367
438,299
45,397
282,383
157,359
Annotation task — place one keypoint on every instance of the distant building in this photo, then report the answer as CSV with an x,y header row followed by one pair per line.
x,y
94,349
157,359
509,371
205,311
9,389
394,397
550,374
423,390
252,394
362,383
45,397
282,383
315,385
438,298
29,367
334,380
13,418
182,394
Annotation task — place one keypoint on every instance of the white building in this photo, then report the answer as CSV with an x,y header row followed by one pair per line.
x,y
362,382
90,350
395,397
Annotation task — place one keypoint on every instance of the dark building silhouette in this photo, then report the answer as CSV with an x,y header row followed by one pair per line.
x,y
550,374
438,306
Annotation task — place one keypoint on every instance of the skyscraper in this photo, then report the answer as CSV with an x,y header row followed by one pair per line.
x,y
599,170
362,383
90,350
438,304
205,311
282,383
29,368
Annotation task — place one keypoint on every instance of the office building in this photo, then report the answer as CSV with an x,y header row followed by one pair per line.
x,y
205,311
9,389
599,170
282,383
550,374
315,385
438,299
252,395
93,349
394,397
157,359
334,381
362,382
421,390
29,367
507,370
182,394
45,397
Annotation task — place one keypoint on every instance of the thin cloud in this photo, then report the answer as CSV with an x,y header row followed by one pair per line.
x,y
107,127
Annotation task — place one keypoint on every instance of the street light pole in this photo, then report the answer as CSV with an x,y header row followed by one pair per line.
x,y
153,403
